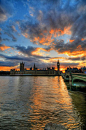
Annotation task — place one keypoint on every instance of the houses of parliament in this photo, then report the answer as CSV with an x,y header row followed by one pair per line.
x,y
36,72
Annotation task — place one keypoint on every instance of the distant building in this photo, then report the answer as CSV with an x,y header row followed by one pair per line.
x,y
83,69
36,71
58,67
76,70
4,73
72,70
22,66
30,68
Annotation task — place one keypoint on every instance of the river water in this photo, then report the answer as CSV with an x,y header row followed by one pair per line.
x,y
30,102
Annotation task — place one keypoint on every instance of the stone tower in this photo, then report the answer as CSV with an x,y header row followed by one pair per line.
x,y
58,66
22,66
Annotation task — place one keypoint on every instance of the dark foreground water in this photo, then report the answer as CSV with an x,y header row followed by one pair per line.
x,y
29,103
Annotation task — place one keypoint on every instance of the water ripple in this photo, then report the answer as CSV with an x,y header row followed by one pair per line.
x,y
29,103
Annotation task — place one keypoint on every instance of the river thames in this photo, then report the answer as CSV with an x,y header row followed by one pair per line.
x,y
31,102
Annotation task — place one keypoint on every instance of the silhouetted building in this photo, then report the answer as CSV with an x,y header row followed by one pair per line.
x,y
58,66
73,70
30,68
36,71
4,73
22,66
83,69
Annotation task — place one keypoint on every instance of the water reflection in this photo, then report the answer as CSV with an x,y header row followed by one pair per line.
x,y
51,103
79,84
32,102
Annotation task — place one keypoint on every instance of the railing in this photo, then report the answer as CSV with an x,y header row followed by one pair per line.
x,y
80,74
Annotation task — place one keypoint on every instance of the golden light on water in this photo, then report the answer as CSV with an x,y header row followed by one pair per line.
x,y
48,97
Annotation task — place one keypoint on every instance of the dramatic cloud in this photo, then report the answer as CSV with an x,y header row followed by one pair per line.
x,y
3,16
16,58
59,20
3,47
32,51
6,9
78,58
29,61
77,47
11,35
41,30
7,63
25,50
71,40
69,64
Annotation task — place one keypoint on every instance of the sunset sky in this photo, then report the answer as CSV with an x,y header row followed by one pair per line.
x,y
41,32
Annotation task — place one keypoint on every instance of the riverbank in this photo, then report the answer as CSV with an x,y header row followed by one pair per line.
x,y
79,102
76,87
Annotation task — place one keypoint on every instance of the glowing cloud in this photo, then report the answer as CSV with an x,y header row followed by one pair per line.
x,y
83,39
71,40
3,47
37,52
34,27
66,30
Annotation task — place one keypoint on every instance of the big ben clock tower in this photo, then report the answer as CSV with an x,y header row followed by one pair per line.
x,y
58,66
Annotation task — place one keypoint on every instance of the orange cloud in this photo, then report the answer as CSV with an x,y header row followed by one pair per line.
x,y
45,40
67,30
75,53
58,32
3,47
79,47
83,39
45,37
79,51
54,32
81,64
38,52
71,40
